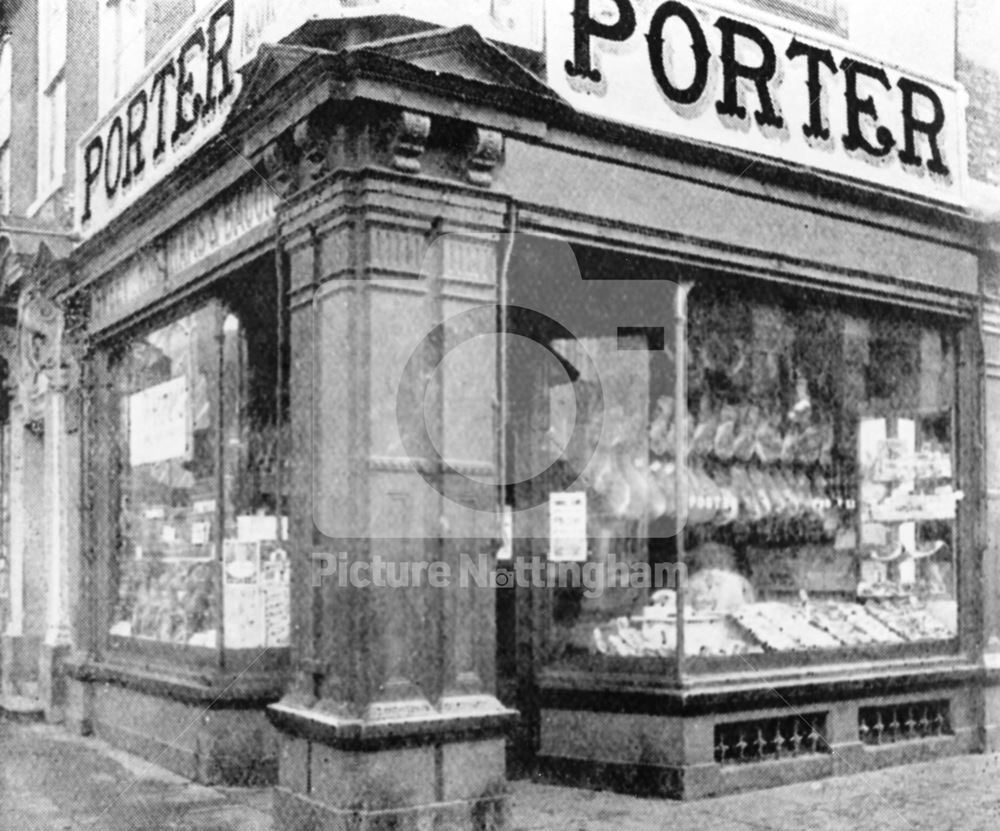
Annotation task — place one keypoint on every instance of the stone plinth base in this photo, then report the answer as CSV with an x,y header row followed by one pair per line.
x,y
19,665
52,681
661,749
438,773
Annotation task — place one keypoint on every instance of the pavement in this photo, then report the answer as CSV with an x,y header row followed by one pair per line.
x,y
50,779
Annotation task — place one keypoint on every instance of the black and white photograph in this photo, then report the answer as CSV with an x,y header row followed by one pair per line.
x,y
499,415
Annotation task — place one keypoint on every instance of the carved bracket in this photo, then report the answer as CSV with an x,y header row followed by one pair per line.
x,y
278,163
314,146
407,140
485,153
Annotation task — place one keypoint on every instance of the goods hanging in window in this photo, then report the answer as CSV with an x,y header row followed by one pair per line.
x,y
819,477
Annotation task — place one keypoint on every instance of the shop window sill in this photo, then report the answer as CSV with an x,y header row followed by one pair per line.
x,y
248,687
573,689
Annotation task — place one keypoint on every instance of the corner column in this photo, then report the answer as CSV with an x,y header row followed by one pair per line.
x,y
391,717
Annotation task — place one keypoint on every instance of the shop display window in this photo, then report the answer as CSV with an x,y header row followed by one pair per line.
x,y
201,525
828,429
813,511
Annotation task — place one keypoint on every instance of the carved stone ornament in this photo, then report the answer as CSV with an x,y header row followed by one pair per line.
x,y
313,144
407,140
485,153
40,339
278,163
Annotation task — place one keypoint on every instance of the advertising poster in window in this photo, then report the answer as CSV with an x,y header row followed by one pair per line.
x,y
159,417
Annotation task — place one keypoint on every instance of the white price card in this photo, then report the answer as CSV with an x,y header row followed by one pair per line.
x,y
568,527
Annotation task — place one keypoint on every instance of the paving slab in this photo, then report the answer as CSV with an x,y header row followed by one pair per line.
x,y
50,779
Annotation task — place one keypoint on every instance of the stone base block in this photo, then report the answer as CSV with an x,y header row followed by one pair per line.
x,y
52,681
19,665
396,780
79,710
991,718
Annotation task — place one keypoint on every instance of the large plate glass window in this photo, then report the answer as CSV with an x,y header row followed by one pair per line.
x,y
800,505
828,429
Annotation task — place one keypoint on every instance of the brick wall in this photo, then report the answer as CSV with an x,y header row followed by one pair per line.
x,y
978,69
23,25
983,117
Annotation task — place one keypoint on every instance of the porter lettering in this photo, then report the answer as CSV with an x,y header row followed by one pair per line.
x,y
855,139
183,98
586,28
733,70
869,120
816,57
912,125
699,45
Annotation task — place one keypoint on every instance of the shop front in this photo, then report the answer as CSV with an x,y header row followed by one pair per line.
x,y
733,377
781,482
187,584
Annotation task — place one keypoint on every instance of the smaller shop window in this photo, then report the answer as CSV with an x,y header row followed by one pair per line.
x,y
202,524
168,400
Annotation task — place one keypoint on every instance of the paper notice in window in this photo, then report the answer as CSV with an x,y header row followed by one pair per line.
x,y
200,533
568,527
158,423
254,528
244,616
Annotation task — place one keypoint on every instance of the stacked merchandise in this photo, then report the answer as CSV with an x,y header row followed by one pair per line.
x,y
169,601
851,624
911,621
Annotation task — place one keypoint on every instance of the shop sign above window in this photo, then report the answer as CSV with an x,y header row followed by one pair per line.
x,y
186,92
179,103
692,70
172,260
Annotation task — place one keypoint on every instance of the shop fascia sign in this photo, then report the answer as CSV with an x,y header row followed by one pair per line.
x,y
174,259
705,73
188,89
179,104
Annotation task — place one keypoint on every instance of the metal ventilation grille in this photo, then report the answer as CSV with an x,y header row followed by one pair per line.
x,y
770,739
904,722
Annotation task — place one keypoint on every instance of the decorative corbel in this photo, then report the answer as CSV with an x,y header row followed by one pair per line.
x,y
313,145
407,140
77,343
484,154
278,163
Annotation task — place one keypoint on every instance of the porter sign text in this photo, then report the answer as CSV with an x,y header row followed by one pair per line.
x,y
179,104
691,70
188,89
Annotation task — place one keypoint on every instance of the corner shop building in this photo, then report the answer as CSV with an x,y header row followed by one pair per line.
x,y
242,321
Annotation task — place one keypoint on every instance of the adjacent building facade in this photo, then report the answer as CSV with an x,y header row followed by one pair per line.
x,y
401,398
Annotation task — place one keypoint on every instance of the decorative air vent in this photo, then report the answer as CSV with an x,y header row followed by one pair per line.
x,y
904,722
771,738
